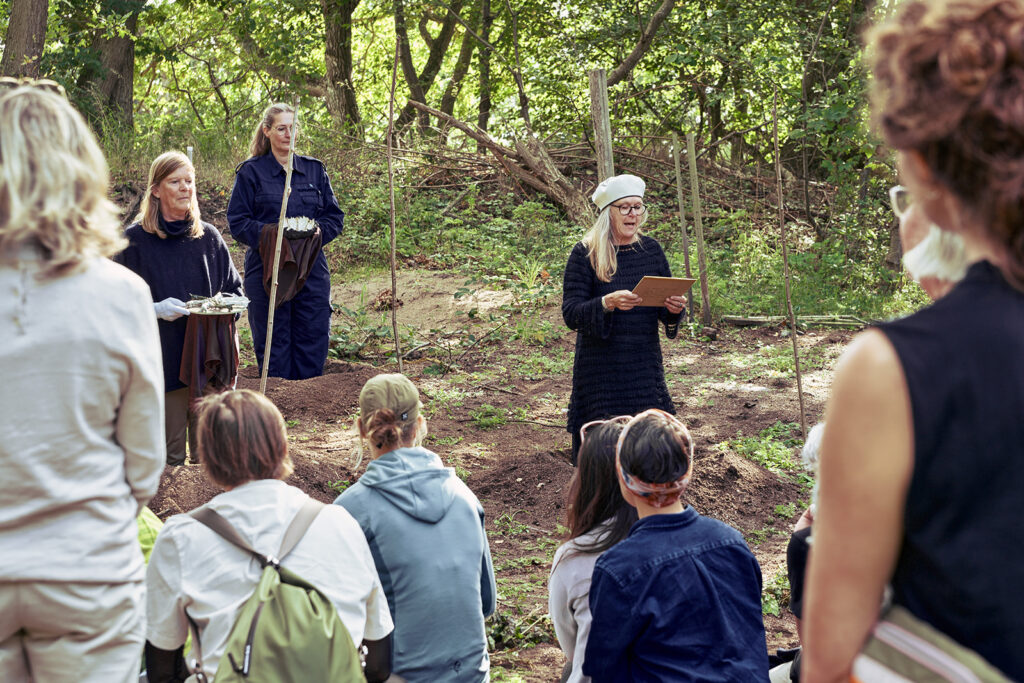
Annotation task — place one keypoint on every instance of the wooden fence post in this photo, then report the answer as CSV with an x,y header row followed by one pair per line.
x,y
785,262
698,224
602,123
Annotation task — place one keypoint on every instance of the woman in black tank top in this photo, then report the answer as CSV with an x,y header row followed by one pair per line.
x,y
922,469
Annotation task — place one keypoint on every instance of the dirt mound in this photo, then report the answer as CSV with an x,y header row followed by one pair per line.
x,y
327,398
532,485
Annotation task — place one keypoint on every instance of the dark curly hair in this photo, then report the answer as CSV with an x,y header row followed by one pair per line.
x,y
949,84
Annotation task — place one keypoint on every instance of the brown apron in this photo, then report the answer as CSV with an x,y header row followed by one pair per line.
x,y
209,359
297,259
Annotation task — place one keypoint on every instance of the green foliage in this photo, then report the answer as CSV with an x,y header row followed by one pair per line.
x,y
507,525
509,631
786,511
339,486
775,595
488,417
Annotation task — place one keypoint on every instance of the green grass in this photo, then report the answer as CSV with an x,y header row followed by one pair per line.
x,y
506,524
488,417
772,448
548,362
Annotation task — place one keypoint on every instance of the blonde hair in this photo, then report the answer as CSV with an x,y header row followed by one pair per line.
x,y
600,247
53,183
149,210
260,144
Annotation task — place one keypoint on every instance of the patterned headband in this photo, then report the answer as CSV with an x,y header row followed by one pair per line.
x,y
665,493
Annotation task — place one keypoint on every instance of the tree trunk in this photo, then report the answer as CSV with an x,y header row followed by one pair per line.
x,y
113,84
484,109
451,93
26,34
419,84
340,92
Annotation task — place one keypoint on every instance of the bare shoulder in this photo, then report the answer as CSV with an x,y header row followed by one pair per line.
x,y
870,365
869,418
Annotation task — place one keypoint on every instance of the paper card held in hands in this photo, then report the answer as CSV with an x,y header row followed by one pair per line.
x,y
654,290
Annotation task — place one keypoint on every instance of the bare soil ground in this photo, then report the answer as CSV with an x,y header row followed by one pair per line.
x,y
498,419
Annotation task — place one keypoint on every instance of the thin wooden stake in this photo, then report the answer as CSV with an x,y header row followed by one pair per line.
x,y
602,124
277,248
391,195
785,262
698,224
682,208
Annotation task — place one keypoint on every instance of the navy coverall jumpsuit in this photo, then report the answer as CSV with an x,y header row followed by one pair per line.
x,y
301,326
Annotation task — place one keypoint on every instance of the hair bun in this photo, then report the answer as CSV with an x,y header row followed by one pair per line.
x,y
970,59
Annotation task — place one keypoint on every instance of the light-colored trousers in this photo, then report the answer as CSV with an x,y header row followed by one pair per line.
x,y
56,632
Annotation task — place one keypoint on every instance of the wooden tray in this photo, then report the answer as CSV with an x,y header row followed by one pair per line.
x,y
654,290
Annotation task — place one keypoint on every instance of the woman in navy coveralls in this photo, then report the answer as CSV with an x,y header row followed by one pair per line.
x,y
302,324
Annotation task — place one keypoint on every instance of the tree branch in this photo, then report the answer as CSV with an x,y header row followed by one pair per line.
x,y
646,38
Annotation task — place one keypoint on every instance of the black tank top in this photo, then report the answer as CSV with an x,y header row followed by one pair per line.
x,y
961,564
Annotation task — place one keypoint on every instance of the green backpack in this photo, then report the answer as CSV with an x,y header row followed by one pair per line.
x,y
287,631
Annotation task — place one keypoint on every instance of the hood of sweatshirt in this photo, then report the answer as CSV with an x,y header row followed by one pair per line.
x,y
415,481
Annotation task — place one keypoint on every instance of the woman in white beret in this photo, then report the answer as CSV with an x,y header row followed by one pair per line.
x,y
617,369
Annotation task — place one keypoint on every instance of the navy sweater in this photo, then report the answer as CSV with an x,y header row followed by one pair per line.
x,y
618,368
181,267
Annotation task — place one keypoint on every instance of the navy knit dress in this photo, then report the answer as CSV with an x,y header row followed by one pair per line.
x,y
618,368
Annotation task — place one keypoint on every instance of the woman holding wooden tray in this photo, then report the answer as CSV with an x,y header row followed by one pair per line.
x,y
618,368
180,257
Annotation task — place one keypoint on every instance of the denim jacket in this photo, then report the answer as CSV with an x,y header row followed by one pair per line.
x,y
678,600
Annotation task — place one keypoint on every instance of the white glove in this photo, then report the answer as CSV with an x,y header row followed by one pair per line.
x,y
170,308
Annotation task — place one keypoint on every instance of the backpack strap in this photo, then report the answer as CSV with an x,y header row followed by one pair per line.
x,y
299,526
215,522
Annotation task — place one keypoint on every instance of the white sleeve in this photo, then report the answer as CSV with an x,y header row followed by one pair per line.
x,y
378,615
139,425
558,604
166,623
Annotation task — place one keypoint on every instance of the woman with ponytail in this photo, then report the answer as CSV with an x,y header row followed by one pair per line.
x,y
426,531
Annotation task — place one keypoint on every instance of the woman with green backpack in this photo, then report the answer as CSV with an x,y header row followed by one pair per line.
x,y
248,572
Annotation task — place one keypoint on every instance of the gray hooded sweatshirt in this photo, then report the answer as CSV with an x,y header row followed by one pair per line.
x,y
426,532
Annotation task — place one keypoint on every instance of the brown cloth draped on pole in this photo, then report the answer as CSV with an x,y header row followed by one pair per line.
x,y
297,259
209,359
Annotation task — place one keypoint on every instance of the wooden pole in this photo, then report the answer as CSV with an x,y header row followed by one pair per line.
x,y
682,210
391,195
698,224
602,123
785,262
277,248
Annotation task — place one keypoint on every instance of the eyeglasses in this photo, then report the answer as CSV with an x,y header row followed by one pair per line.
x,y
899,199
625,209
621,419
9,83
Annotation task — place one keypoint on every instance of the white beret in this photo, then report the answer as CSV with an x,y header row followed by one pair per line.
x,y
615,188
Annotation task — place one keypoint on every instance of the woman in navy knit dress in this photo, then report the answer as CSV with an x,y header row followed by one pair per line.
x,y
617,369
180,257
